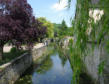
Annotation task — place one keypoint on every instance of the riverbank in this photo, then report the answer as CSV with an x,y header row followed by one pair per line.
x,y
54,69
7,48
12,70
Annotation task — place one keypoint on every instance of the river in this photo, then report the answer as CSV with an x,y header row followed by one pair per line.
x,y
55,69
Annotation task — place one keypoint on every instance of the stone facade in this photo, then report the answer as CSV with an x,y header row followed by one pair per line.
x,y
99,55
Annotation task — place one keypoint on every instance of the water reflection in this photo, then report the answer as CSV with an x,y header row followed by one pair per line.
x,y
54,70
57,74
46,66
62,57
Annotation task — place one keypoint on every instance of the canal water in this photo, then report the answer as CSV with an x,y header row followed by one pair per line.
x,y
55,69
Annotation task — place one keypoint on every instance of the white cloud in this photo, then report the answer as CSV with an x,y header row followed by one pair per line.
x,y
60,6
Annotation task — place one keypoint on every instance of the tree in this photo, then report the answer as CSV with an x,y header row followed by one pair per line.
x,y
49,26
56,29
63,28
17,24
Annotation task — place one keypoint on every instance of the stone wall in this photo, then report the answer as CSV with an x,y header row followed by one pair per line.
x,y
92,62
14,69
94,58
36,53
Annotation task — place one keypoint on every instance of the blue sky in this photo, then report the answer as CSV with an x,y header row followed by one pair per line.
x,y
53,10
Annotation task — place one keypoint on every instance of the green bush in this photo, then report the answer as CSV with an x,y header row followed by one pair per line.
x,y
14,52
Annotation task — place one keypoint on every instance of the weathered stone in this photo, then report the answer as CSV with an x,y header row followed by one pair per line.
x,y
14,69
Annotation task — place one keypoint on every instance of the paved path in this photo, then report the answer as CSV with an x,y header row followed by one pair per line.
x,y
8,48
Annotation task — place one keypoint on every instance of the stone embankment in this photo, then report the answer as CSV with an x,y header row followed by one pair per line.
x,y
95,61
11,71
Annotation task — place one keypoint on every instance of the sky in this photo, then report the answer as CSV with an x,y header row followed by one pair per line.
x,y
54,10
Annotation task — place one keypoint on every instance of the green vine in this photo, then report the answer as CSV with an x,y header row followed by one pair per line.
x,y
98,35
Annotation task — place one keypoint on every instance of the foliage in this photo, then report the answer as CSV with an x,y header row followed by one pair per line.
x,y
78,46
62,54
69,31
61,30
76,62
99,30
17,23
14,52
56,29
101,68
49,25
47,64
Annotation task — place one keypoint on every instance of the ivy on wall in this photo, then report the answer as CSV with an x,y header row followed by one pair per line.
x,y
98,33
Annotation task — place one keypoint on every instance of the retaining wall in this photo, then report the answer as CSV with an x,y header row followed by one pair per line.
x,y
94,60
14,69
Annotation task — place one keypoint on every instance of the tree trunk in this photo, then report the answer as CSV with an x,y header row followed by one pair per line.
x,y
1,52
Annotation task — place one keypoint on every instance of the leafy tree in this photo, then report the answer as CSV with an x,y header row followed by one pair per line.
x,y
17,24
57,29
49,26
69,31
63,28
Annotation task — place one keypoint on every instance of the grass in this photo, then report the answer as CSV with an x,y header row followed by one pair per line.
x,y
11,55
